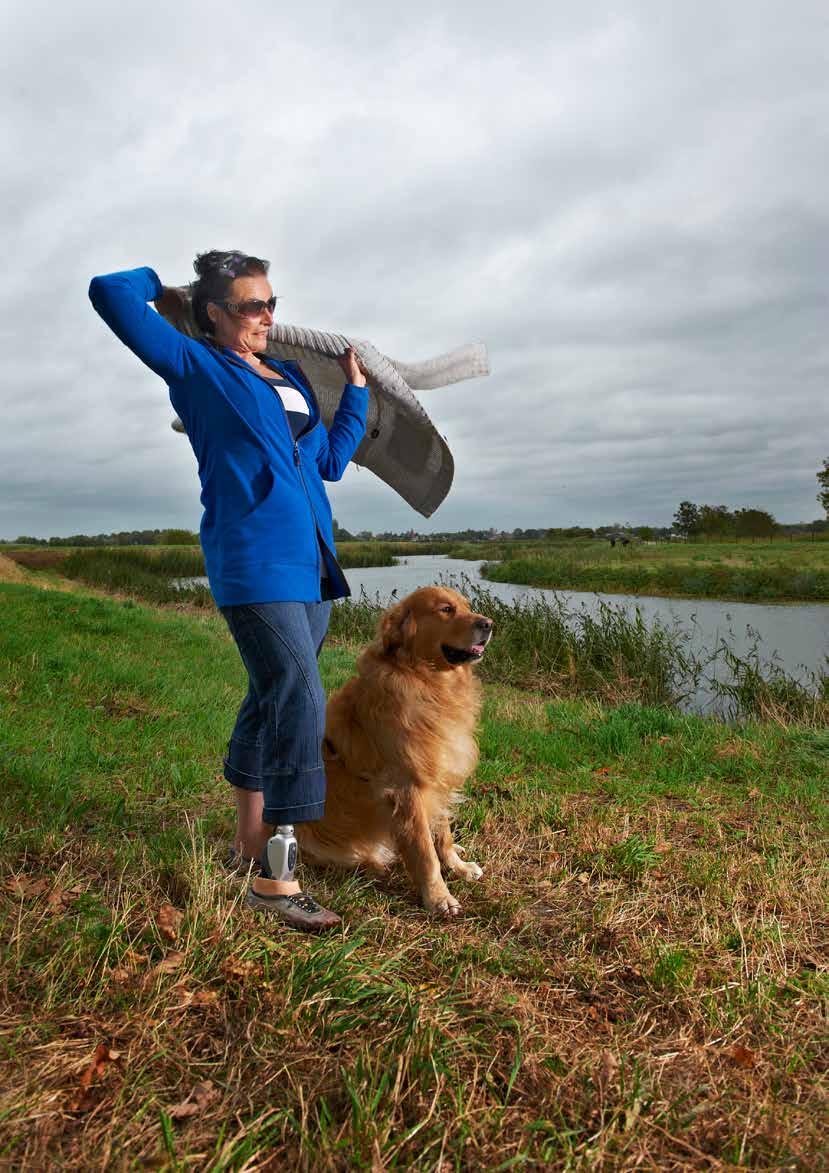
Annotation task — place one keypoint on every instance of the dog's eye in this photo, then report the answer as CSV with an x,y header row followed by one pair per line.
x,y
448,608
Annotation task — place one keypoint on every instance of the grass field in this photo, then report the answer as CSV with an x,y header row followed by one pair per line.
x,y
748,571
639,980
760,571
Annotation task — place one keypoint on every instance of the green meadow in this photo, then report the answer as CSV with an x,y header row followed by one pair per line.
x,y
637,981
748,571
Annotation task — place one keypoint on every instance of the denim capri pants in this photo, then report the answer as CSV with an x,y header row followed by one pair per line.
x,y
276,744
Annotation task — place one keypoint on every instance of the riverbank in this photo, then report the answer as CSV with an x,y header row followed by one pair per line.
x,y
638,978
609,650
746,572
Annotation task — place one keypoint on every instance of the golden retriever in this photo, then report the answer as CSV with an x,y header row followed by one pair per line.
x,y
400,743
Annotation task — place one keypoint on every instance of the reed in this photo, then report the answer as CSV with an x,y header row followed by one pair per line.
x,y
141,573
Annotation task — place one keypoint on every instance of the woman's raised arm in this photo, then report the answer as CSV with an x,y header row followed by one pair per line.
x,y
122,301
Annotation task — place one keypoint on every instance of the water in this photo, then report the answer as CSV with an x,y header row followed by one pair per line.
x,y
795,635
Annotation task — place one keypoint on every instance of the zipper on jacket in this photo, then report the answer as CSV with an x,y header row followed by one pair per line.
x,y
317,534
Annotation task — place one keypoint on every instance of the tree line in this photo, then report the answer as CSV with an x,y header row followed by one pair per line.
x,y
718,521
134,537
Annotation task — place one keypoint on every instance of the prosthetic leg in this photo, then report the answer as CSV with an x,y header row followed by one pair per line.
x,y
299,909
281,853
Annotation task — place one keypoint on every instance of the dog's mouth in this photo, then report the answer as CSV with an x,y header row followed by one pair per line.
x,y
462,655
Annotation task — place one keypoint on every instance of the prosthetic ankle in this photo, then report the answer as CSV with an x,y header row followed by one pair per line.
x,y
281,854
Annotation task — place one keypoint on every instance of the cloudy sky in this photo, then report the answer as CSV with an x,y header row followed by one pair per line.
x,y
626,202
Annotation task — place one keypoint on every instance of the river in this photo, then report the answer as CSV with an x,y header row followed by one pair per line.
x,y
795,635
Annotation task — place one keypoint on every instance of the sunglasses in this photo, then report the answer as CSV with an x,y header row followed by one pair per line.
x,y
254,307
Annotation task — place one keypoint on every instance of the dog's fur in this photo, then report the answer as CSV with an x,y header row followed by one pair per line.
x,y
400,743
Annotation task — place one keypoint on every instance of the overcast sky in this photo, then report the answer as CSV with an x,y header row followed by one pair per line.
x,y
626,202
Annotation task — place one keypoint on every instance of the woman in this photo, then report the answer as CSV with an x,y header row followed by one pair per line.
x,y
263,453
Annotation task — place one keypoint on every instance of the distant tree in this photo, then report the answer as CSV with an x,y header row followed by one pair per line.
x,y
177,537
687,519
754,523
645,532
340,534
715,521
823,481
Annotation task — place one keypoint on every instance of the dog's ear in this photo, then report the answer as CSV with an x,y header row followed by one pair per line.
x,y
397,627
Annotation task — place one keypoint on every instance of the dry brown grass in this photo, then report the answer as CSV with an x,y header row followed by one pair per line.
x,y
38,559
21,570
10,571
583,1018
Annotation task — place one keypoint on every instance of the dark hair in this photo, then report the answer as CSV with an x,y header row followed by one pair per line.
x,y
216,271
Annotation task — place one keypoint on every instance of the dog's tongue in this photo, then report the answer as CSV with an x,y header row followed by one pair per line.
x,y
478,649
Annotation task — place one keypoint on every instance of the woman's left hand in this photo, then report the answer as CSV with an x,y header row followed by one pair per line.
x,y
354,373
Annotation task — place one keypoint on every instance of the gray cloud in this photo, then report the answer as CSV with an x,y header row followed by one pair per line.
x,y
626,203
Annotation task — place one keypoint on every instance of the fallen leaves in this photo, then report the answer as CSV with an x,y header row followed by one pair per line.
x,y
742,1056
238,969
200,1098
130,961
169,921
24,887
29,887
193,999
607,1070
204,998
168,964
103,1056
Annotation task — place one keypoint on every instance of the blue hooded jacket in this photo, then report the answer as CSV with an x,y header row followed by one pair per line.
x,y
266,512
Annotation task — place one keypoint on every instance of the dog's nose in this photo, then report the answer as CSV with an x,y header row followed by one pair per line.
x,y
484,623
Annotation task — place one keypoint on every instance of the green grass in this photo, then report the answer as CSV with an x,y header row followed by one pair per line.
x,y
638,979
744,571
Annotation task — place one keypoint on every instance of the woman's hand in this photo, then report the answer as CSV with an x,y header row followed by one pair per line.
x,y
354,373
174,305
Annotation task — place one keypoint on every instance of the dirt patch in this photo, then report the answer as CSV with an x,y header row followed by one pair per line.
x,y
10,571
38,559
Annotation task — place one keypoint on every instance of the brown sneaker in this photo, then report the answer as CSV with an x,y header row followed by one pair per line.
x,y
300,910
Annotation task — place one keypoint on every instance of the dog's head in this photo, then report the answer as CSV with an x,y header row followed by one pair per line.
x,y
436,625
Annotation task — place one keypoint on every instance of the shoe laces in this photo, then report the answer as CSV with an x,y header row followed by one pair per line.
x,y
306,903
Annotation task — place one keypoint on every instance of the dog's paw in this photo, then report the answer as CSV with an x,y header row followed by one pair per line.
x,y
462,867
441,903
